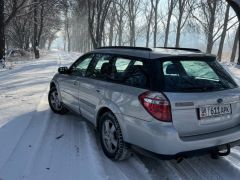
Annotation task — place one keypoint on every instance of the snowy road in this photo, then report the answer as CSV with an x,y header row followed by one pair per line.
x,y
37,144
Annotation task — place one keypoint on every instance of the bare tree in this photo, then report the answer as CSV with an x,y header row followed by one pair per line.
x,y
171,6
149,17
185,8
35,30
235,44
2,35
11,7
209,18
120,6
111,20
97,13
224,32
155,4
133,9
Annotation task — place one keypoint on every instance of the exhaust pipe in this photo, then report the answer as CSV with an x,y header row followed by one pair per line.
x,y
221,151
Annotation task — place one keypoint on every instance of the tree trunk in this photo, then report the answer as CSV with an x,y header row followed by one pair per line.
x,y
148,27
224,32
120,32
35,31
171,6
41,23
178,34
210,42
235,44
2,35
67,30
155,23
132,19
69,40
112,23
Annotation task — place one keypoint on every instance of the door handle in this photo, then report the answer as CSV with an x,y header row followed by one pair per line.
x,y
98,90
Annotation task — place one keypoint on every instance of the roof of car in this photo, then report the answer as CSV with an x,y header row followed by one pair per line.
x,y
152,53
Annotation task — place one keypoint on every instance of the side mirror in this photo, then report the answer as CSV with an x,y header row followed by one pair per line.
x,y
63,70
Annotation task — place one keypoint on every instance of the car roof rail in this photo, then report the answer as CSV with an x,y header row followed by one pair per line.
x,y
126,47
184,49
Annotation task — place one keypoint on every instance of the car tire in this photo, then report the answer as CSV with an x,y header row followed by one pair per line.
x,y
111,138
54,103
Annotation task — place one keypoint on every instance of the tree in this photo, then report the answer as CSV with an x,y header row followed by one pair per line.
x,y
235,44
97,13
133,7
35,30
185,8
155,4
224,32
12,8
120,6
171,6
210,10
235,4
2,35
209,18
148,16
111,19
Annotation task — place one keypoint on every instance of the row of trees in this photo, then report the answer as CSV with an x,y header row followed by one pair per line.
x,y
154,23
89,24
29,24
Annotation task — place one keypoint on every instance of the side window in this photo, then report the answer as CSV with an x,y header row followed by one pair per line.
x,y
122,64
131,72
81,66
102,67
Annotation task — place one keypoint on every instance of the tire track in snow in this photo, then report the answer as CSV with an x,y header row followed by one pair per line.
x,y
186,171
221,167
57,159
234,158
206,171
128,169
27,146
160,169
79,152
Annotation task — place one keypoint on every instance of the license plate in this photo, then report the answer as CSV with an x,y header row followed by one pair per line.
x,y
215,110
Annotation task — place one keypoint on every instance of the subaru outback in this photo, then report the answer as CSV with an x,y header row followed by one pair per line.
x,y
168,102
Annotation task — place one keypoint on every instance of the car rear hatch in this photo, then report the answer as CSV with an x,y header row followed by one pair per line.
x,y
203,96
190,116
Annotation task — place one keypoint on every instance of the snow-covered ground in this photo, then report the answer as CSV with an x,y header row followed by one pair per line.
x,y
36,144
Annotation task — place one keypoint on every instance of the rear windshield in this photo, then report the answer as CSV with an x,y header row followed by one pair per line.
x,y
195,76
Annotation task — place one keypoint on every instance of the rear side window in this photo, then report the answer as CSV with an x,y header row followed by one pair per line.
x,y
122,64
195,76
131,72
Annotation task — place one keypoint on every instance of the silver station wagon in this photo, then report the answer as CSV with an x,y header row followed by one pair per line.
x,y
164,102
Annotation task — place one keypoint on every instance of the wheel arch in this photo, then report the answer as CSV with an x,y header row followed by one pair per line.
x,y
100,112
53,83
116,114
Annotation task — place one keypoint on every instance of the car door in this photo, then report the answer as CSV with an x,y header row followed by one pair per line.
x,y
92,86
70,82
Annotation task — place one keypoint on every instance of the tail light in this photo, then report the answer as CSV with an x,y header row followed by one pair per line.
x,y
157,105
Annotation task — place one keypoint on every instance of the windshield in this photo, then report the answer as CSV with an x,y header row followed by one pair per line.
x,y
195,76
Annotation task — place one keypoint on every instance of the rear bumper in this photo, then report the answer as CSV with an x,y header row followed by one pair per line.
x,y
186,154
163,139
